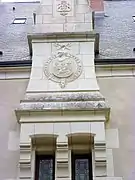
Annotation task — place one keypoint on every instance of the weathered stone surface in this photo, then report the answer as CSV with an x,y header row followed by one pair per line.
x,y
45,106
63,97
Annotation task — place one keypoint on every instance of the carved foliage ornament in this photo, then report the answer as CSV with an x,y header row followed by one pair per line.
x,y
64,7
62,68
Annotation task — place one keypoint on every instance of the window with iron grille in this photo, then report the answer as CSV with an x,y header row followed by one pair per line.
x,y
45,167
82,166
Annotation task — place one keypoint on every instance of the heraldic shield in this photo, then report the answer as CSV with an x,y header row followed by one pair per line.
x,y
63,68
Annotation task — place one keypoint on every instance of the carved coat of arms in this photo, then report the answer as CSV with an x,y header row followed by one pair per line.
x,y
64,7
62,68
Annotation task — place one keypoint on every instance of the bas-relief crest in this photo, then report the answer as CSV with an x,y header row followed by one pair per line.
x,y
63,7
63,67
63,46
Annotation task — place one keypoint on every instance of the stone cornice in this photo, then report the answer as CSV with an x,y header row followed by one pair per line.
x,y
110,70
27,107
110,63
63,97
54,106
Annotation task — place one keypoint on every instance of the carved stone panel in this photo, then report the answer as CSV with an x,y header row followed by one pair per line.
x,y
63,7
63,67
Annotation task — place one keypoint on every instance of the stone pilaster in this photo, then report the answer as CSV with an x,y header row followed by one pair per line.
x,y
100,159
62,161
25,162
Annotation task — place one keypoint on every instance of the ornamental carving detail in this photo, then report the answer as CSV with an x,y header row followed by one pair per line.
x,y
62,47
64,7
62,68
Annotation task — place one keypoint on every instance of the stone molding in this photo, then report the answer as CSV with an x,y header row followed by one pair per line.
x,y
25,161
100,158
62,159
27,107
55,106
63,101
63,97
102,71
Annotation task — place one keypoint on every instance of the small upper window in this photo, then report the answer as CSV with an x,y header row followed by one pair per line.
x,y
19,21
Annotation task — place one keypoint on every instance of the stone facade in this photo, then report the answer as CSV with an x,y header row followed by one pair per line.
x,y
119,129
63,108
63,65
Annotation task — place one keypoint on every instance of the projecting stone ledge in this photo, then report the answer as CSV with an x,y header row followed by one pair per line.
x,y
46,106
26,107
63,97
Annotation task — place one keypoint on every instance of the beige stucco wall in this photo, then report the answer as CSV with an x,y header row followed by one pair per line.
x,y
11,91
120,93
